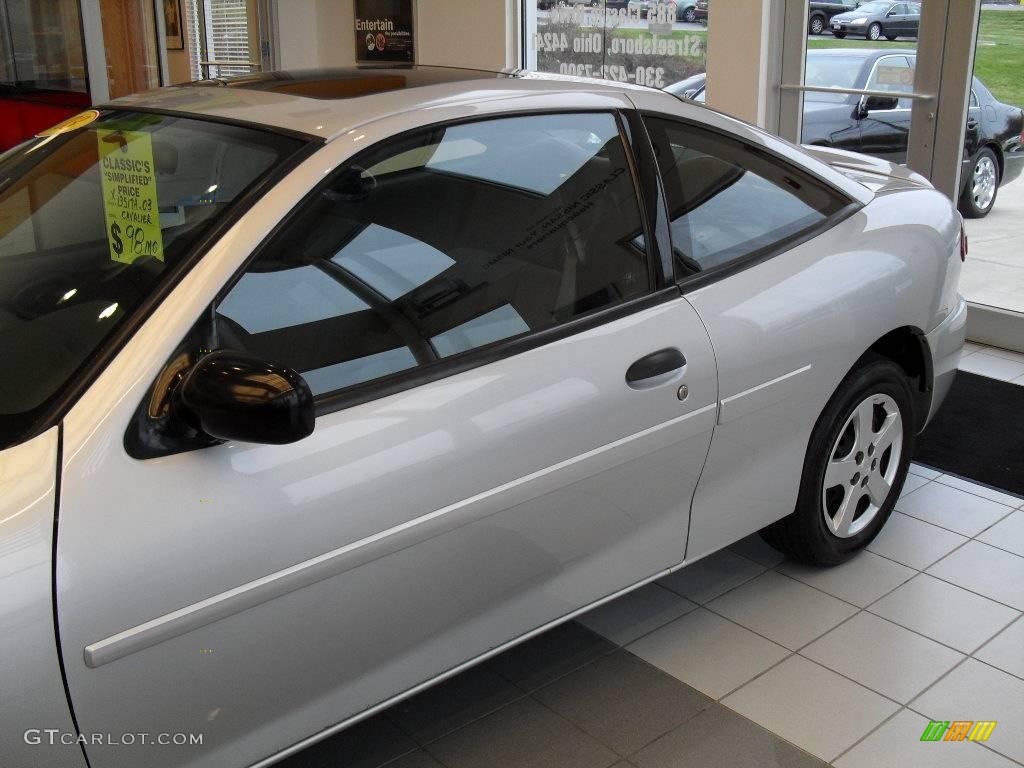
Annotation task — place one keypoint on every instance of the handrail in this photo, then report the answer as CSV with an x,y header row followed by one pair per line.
x,y
860,92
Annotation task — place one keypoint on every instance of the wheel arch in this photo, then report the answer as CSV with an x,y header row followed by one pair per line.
x,y
908,348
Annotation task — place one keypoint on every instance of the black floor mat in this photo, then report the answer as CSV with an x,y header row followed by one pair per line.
x,y
978,433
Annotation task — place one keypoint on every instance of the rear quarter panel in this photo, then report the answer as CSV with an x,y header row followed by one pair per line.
x,y
814,310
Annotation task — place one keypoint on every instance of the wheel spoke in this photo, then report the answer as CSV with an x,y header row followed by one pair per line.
x,y
878,489
890,432
865,417
840,472
843,518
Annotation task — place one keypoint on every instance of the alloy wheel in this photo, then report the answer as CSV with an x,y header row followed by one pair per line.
x,y
817,25
874,32
689,15
983,185
862,465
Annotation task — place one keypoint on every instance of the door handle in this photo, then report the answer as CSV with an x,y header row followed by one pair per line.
x,y
644,371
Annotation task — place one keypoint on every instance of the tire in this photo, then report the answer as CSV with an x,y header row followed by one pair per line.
x,y
690,15
816,25
840,35
874,31
833,522
890,38
982,186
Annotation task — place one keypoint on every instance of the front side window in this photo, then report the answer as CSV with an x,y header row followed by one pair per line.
x,y
728,200
441,242
92,215
894,74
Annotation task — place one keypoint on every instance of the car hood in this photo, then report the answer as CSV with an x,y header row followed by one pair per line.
x,y
851,15
878,175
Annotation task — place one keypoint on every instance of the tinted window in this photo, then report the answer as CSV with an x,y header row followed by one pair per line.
x,y
894,74
91,220
727,200
441,242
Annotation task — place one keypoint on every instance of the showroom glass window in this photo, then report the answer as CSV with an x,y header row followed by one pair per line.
x,y
441,242
728,200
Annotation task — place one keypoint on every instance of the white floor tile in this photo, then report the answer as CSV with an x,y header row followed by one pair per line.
x,y
976,691
944,612
986,364
897,744
714,575
860,580
912,483
888,659
952,508
986,570
922,471
782,609
914,542
811,706
708,652
634,615
981,490
1008,533
1006,650
1006,354
755,548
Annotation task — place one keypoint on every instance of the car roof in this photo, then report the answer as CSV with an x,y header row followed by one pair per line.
x,y
328,102
864,53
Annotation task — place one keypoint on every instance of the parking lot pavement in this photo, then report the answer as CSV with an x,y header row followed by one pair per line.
x,y
994,271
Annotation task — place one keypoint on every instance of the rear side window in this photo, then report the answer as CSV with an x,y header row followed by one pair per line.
x,y
728,200
442,242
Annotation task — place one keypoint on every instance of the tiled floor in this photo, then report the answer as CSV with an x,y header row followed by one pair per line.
x,y
746,659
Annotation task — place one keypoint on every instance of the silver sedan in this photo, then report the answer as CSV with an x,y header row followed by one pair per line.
x,y
319,388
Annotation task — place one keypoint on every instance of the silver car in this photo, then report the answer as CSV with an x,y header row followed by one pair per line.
x,y
319,388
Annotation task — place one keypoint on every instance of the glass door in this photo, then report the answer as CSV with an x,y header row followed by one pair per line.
x,y
130,46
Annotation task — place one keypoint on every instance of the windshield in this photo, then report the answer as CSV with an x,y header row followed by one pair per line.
x,y
832,71
93,214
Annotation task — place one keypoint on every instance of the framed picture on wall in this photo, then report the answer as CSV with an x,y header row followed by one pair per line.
x,y
173,25
384,31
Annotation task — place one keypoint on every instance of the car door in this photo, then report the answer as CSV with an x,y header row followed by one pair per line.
x,y
884,132
501,440
738,214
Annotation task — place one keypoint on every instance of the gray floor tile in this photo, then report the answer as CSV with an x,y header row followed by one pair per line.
x,y
1006,650
714,575
782,609
546,657
952,508
986,570
631,616
524,734
912,483
753,547
981,490
860,580
976,691
945,612
622,701
417,759
922,471
914,542
708,652
720,738
886,658
368,744
1007,534
897,744
453,703
811,706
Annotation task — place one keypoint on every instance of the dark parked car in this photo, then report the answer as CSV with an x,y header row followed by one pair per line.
x,y
701,11
878,19
819,14
994,146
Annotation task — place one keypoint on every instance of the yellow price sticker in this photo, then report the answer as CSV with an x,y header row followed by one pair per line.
x,y
128,176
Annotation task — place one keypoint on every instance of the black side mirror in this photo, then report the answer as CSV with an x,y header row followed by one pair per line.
x,y
878,103
237,396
